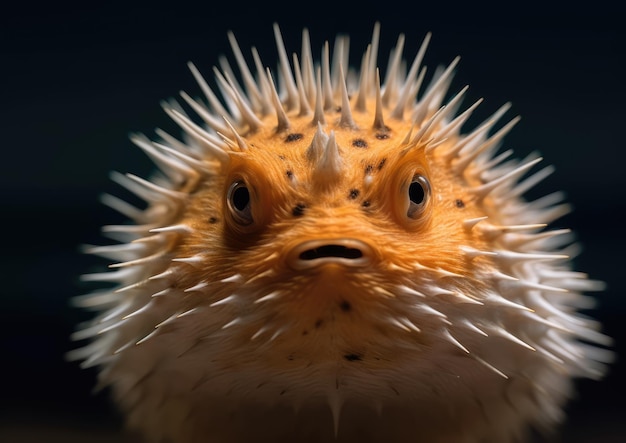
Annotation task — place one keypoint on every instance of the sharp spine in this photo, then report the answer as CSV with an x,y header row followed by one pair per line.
x,y
489,366
285,70
450,338
346,119
281,115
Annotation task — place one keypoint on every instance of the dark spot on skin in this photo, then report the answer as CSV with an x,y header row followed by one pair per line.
x,y
352,357
290,357
366,204
382,163
354,193
338,109
459,203
289,173
298,210
345,306
382,136
318,323
283,392
305,332
282,157
369,169
293,137
359,143
213,220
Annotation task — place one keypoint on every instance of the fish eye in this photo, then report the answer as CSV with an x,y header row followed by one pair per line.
x,y
238,199
418,193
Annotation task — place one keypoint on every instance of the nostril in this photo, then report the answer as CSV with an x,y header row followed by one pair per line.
x,y
328,251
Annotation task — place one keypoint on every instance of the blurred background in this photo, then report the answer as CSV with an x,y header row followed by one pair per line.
x,y
77,79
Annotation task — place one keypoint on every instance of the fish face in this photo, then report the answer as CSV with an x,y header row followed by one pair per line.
x,y
329,218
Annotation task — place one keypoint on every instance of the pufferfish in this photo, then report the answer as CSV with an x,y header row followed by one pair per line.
x,y
328,256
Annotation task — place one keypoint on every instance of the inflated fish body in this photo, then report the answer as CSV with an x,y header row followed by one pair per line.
x,y
329,257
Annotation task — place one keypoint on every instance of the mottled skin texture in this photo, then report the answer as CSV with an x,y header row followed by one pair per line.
x,y
433,326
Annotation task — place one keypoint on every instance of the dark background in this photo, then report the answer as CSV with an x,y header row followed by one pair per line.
x,y
75,80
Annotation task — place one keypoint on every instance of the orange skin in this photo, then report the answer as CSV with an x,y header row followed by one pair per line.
x,y
277,171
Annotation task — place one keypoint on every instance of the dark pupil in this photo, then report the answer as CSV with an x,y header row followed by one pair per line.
x,y
416,192
241,198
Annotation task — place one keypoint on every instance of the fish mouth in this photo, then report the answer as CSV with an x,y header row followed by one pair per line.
x,y
348,252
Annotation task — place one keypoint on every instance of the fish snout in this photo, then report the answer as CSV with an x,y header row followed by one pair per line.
x,y
349,252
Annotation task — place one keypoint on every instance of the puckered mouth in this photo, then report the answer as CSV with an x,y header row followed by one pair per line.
x,y
348,252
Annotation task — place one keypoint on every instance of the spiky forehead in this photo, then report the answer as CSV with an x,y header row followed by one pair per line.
x,y
320,104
